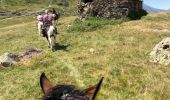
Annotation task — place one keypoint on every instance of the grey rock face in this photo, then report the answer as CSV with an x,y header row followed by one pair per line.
x,y
101,8
161,52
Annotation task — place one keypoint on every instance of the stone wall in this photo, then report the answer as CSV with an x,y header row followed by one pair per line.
x,y
107,8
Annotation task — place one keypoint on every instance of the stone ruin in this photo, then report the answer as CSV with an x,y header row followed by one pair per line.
x,y
161,52
8,59
108,8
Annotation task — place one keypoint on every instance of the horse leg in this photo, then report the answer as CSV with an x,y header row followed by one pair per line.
x,y
39,29
55,34
49,42
54,38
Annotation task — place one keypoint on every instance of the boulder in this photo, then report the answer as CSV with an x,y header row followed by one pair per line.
x,y
161,52
8,59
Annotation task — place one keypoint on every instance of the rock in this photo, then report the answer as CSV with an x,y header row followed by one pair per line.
x,y
8,59
161,52
92,50
161,30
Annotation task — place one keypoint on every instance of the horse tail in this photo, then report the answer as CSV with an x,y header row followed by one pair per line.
x,y
55,31
55,13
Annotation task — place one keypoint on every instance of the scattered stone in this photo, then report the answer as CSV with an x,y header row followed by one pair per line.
x,y
68,26
161,30
44,61
92,50
161,52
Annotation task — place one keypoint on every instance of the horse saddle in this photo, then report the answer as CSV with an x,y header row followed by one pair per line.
x,y
45,28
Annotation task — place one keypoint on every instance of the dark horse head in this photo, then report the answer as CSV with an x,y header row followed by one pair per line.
x,y
67,92
56,14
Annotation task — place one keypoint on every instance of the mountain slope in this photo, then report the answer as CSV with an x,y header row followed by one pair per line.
x,y
33,5
150,9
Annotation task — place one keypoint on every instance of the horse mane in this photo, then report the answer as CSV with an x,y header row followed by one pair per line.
x,y
65,92
54,11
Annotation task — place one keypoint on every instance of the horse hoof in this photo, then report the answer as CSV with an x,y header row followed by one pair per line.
x,y
53,49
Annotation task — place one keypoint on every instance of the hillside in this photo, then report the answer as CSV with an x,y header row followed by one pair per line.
x,y
121,54
150,9
33,4
10,8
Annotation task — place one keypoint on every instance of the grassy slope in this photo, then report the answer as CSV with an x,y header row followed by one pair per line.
x,y
37,5
121,56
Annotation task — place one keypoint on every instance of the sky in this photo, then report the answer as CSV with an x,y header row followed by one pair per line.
x,y
161,4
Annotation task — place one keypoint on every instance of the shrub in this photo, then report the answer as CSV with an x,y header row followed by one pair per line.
x,y
134,15
63,3
92,23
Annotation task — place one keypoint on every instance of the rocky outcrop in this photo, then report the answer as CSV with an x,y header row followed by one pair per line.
x,y
161,52
100,8
107,9
8,59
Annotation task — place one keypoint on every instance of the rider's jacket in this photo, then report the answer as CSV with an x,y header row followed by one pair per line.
x,y
40,18
48,18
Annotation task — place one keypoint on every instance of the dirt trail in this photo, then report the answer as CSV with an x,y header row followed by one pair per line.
x,y
73,71
15,26
11,15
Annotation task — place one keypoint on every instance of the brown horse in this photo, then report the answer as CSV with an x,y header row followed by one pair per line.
x,y
67,92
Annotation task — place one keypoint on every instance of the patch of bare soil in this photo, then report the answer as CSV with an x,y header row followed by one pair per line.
x,y
29,53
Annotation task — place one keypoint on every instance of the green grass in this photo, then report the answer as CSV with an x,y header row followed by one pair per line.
x,y
121,54
92,23
16,20
36,5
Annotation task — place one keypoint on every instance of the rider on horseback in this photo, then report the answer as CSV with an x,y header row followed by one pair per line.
x,y
47,21
47,25
48,18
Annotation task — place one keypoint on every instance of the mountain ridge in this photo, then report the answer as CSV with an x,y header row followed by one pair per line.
x,y
150,9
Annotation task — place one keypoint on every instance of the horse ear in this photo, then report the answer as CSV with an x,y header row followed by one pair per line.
x,y
54,11
46,85
91,92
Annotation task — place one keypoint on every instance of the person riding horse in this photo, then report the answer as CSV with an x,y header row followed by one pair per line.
x,y
48,19
46,25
